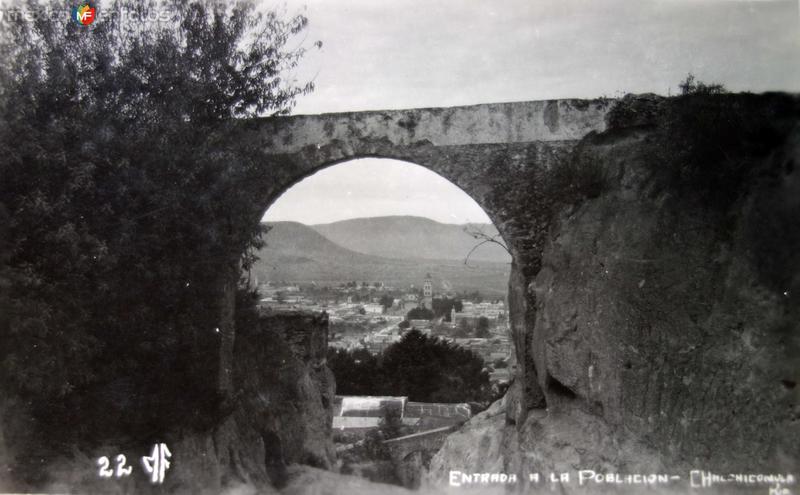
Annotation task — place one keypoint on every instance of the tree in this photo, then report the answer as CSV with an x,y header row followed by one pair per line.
x,y
423,368
482,328
420,314
404,324
357,372
428,369
386,301
126,208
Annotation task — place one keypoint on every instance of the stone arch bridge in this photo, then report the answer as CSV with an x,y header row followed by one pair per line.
x,y
632,305
428,441
491,151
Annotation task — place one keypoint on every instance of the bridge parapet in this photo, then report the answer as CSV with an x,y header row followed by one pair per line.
x,y
518,122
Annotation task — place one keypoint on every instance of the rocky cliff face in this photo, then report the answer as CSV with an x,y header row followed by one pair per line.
x,y
281,411
663,326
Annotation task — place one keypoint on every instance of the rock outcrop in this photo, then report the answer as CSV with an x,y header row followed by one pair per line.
x,y
664,327
282,410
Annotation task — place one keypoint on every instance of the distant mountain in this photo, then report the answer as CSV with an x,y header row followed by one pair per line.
x,y
408,237
295,241
299,254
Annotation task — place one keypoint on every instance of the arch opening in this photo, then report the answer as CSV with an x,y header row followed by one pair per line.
x,y
414,278
390,210
384,237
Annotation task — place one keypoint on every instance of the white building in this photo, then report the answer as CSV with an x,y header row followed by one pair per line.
x,y
373,309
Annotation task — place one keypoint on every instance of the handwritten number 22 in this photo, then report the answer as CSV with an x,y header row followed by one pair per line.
x,y
121,470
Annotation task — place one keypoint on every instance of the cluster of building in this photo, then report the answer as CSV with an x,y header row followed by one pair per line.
x,y
291,297
493,311
359,414
378,342
381,325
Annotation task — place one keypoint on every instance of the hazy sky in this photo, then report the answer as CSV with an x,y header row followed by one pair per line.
x,y
375,187
419,53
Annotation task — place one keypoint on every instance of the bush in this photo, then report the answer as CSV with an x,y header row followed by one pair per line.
x,y
690,86
708,145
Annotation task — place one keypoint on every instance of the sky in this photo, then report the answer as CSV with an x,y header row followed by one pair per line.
x,y
375,187
422,53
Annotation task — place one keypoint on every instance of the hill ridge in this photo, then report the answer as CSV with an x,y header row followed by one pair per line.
x,y
412,237
295,252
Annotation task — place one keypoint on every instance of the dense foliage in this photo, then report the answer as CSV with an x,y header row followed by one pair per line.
x,y
357,372
423,368
125,208
420,313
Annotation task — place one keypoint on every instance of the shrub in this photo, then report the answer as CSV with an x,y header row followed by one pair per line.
x,y
690,86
